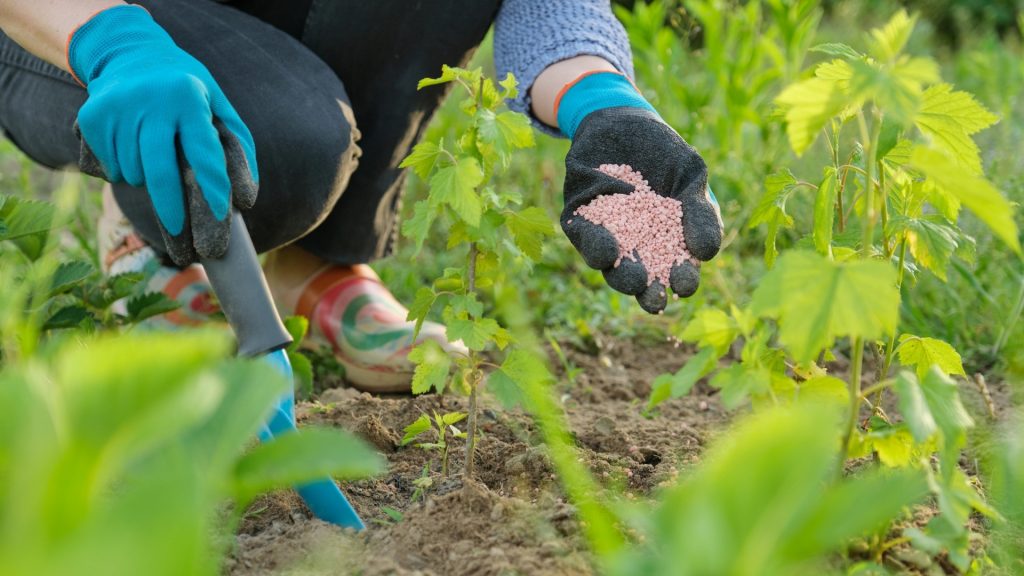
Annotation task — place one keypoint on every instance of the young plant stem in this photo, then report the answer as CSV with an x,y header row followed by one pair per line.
x,y
890,349
855,400
474,383
870,138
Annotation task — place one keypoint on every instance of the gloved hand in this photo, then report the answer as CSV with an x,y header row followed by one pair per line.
x,y
155,117
611,124
323,497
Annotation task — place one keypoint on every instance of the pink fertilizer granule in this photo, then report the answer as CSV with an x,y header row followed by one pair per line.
x,y
643,221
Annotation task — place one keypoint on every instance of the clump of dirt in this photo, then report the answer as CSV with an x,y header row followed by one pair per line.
x,y
511,518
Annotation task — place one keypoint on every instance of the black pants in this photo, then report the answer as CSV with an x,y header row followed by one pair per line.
x,y
296,71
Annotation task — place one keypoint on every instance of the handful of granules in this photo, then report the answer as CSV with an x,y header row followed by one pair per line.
x,y
646,225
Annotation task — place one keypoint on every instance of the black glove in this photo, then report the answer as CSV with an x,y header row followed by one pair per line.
x,y
639,138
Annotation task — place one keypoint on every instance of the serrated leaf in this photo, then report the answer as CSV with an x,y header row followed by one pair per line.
x,y
932,240
417,227
68,275
837,49
456,187
825,212
942,103
466,304
809,105
816,300
67,317
771,210
711,327
476,333
422,159
888,41
509,87
448,74
453,418
529,228
739,381
303,456
974,191
421,425
150,304
923,353
943,399
432,366
506,131
827,390
420,308
894,448
898,90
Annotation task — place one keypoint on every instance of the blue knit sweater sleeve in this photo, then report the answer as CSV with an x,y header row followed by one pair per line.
x,y
530,35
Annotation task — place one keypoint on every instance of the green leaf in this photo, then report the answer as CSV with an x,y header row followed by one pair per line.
x,y
529,228
894,447
417,227
456,187
412,431
505,132
974,191
250,392
896,90
297,327
68,275
816,300
466,305
914,406
476,333
825,212
432,366
950,118
827,390
888,41
842,514
712,327
302,371
923,353
771,210
26,223
931,238
448,74
304,456
453,418
679,384
420,307
739,381
809,105
837,49
943,398
67,317
422,159
509,87
150,304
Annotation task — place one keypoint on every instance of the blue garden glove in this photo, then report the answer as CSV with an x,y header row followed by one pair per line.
x,y
610,122
155,117
323,497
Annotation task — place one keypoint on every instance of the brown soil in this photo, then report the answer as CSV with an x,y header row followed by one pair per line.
x,y
512,519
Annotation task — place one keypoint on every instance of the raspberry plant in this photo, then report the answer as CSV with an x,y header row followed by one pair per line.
x,y
489,224
902,164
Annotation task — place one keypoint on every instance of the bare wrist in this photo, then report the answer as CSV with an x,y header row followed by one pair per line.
x,y
550,82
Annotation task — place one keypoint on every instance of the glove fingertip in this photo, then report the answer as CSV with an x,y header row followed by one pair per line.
x,y
628,277
653,299
684,279
210,234
595,243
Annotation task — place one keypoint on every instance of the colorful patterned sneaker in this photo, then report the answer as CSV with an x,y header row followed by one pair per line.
x,y
353,313
124,252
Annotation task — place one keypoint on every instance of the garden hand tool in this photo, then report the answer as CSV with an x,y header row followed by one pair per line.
x,y
238,282
611,124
